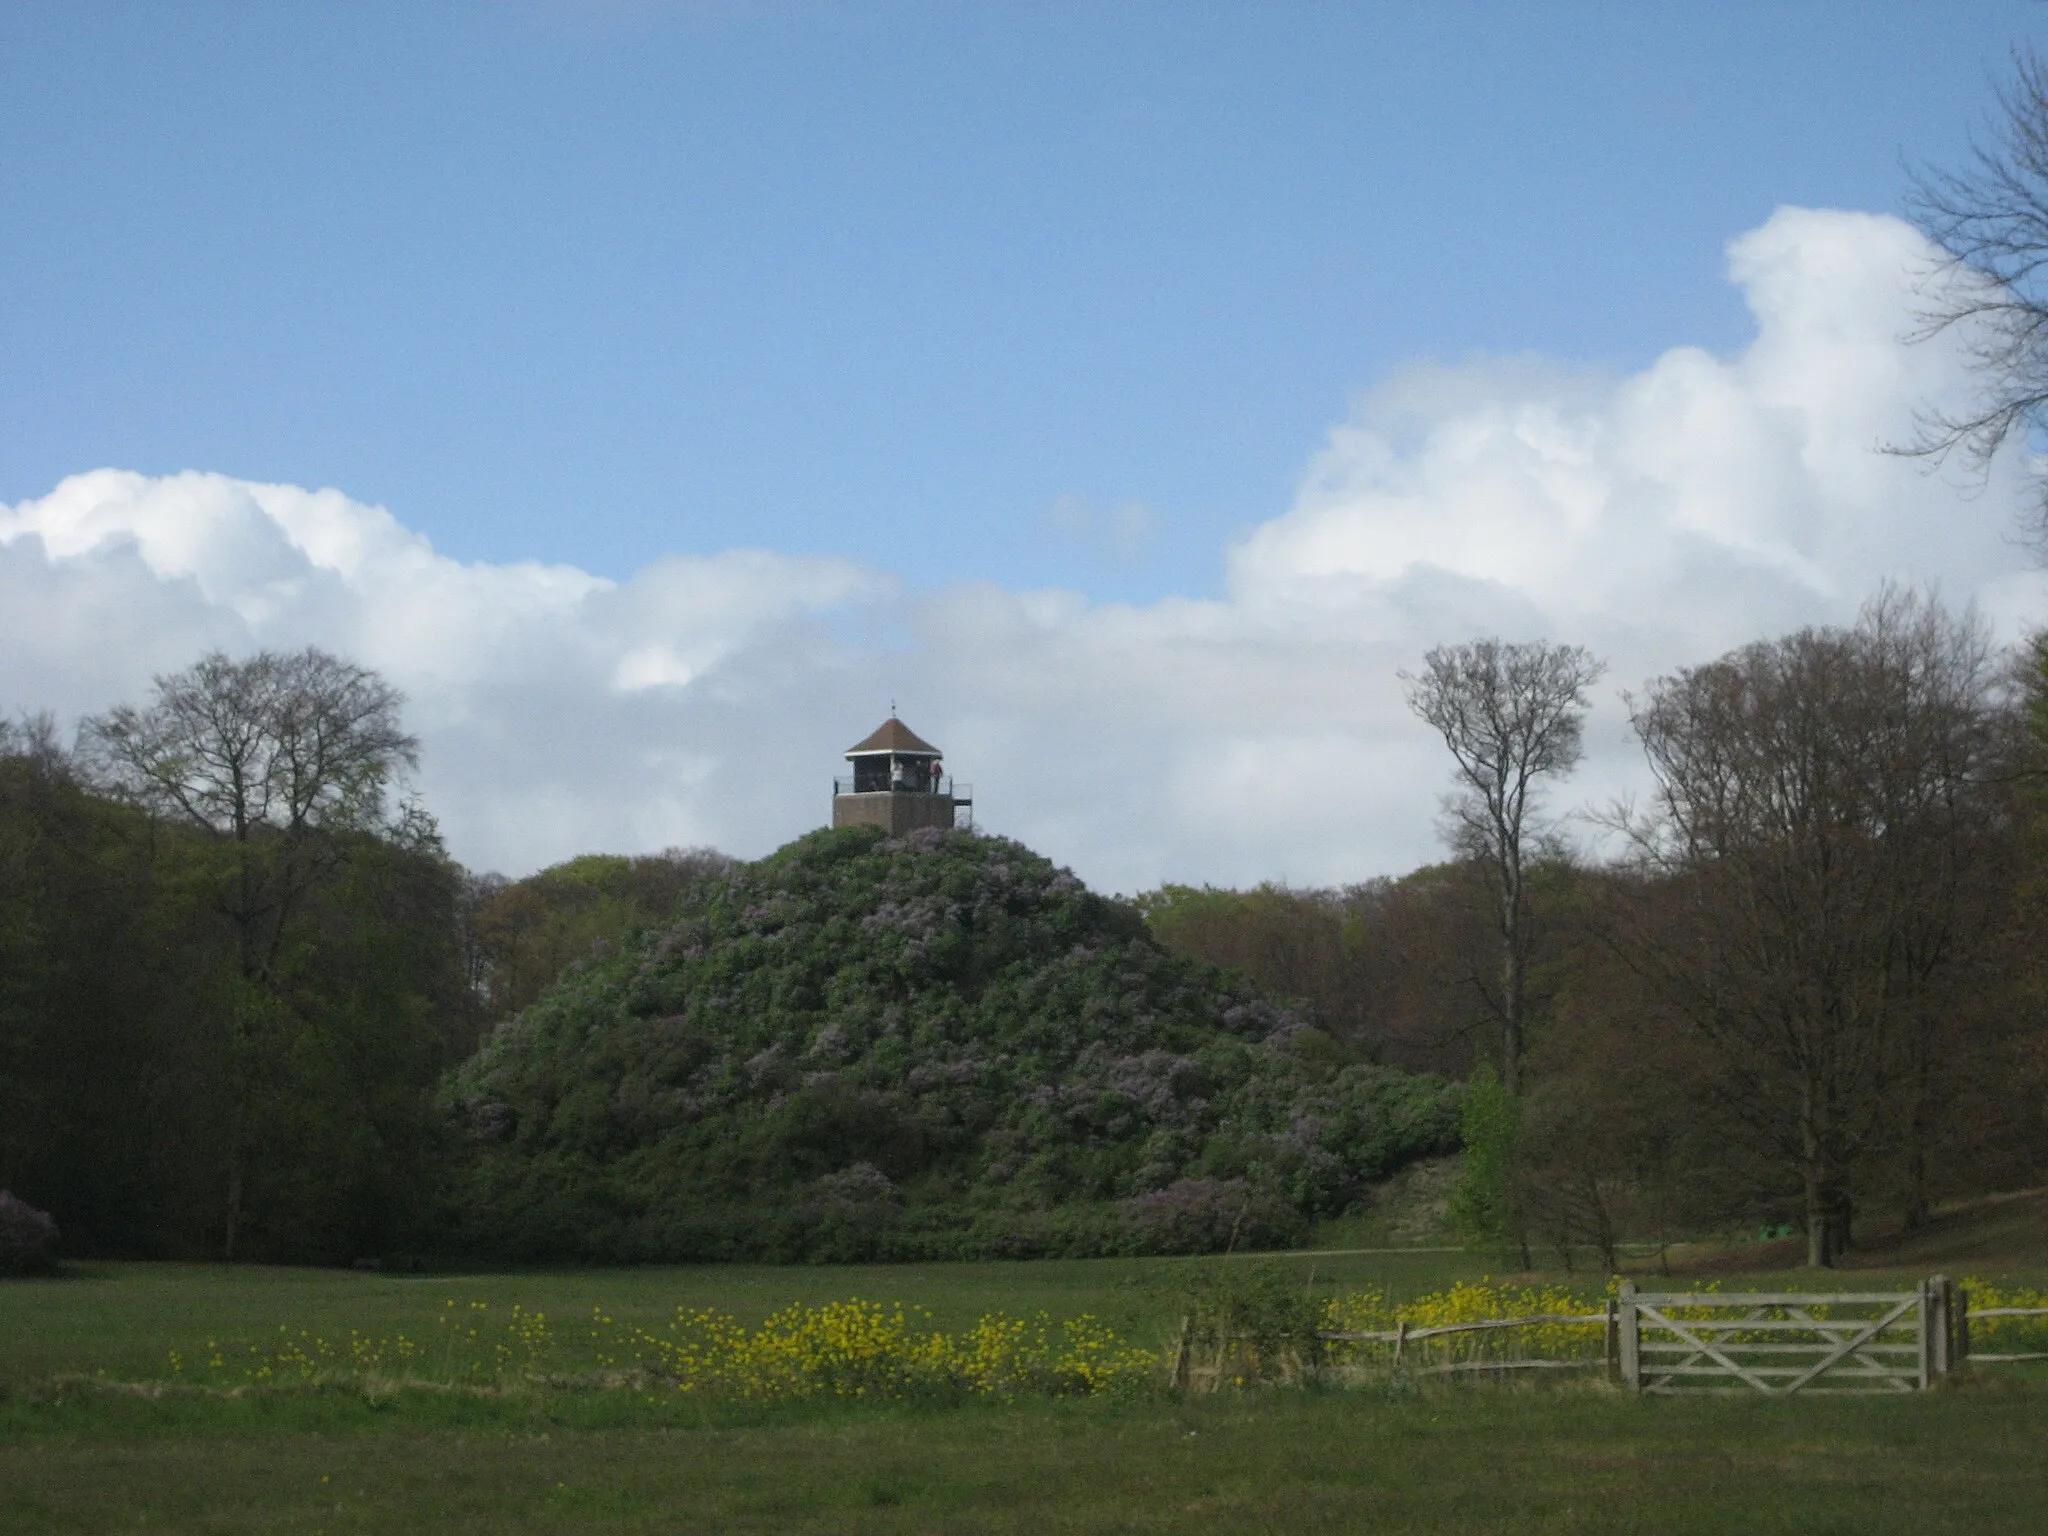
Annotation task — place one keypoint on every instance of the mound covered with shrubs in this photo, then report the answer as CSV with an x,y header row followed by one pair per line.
x,y
942,1046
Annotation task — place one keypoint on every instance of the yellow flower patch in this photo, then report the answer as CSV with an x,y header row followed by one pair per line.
x,y
853,1349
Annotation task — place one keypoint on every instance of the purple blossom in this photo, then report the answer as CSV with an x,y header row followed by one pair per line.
x,y
859,1184
27,1236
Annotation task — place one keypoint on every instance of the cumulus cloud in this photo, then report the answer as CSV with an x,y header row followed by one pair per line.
x,y
560,712
1660,518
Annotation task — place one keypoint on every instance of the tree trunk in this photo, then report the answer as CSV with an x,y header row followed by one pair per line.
x,y
1514,977
1818,1254
1841,1223
1603,1228
234,1201
240,1088
1919,1209
1917,1203
1511,1023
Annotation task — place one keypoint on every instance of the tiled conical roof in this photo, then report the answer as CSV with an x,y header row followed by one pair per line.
x,y
894,736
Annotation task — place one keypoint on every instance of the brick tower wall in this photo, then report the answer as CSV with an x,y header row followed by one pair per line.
x,y
896,811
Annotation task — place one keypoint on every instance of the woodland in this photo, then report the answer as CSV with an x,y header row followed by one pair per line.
x,y
249,1007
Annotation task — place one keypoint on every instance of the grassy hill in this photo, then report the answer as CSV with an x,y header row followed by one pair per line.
x,y
942,1046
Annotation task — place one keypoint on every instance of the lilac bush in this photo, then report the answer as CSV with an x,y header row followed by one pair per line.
x,y
28,1237
942,1045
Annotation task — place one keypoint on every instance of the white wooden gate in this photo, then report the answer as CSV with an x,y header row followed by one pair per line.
x,y
1783,1342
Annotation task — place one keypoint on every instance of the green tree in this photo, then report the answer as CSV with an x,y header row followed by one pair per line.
x,y
1832,819
1511,715
282,763
1482,1206
520,935
87,977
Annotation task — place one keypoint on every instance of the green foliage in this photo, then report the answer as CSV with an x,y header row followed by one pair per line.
x,y
1290,943
1246,1325
90,979
2034,688
1397,969
522,934
941,1046
1482,1205
135,1048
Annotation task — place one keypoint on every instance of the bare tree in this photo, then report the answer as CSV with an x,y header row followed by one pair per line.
x,y
1823,809
1511,715
272,755
1990,220
275,759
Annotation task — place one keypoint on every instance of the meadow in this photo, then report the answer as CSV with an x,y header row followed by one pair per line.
x,y
1467,1461
124,1319
98,1432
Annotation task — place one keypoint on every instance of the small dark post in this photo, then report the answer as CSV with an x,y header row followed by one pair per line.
x,y
1613,1340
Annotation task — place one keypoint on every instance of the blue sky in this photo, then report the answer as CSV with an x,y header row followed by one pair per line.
x,y
1117,323
595,282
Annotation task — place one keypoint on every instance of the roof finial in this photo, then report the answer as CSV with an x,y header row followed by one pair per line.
x,y
892,707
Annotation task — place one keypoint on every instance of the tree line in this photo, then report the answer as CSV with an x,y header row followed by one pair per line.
x,y
1796,983
225,972
236,965
1802,985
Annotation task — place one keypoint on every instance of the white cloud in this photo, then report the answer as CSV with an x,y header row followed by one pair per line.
x,y
1660,518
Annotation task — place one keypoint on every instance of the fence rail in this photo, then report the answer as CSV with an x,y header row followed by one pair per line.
x,y
1764,1341
1965,1314
1396,1335
1401,1336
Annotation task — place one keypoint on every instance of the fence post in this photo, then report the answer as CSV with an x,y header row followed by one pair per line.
x,y
1631,1354
1941,1295
1924,1311
1612,1341
1962,1325
1400,1339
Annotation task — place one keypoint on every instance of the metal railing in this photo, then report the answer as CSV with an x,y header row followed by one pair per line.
x,y
961,794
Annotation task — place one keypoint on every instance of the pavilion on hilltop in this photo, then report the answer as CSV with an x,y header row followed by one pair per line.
x,y
899,783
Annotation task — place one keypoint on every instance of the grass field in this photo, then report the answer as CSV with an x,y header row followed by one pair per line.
x,y
1474,1460
124,1319
1393,1457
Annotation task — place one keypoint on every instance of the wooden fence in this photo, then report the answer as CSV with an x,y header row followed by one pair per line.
x,y
1783,1342
1964,1314
1777,1343
1402,1336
